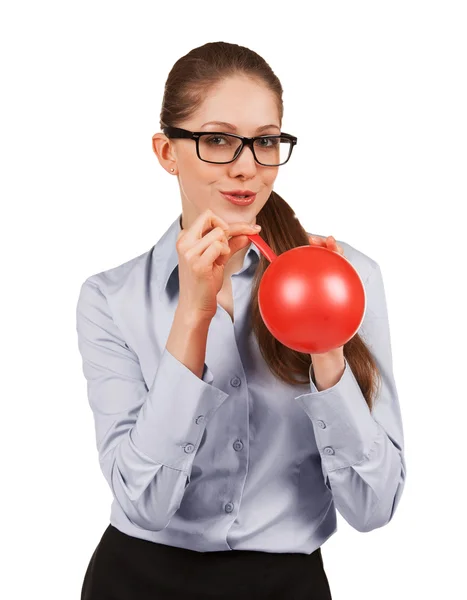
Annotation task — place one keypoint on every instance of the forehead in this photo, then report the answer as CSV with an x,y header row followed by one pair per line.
x,y
242,102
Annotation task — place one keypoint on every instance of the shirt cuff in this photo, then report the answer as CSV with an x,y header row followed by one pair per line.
x,y
345,430
171,422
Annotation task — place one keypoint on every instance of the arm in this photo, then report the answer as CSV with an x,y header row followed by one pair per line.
x,y
327,369
187,342
147,438
362,453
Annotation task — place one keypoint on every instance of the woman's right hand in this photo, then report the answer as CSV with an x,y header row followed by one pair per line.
x,y
203,250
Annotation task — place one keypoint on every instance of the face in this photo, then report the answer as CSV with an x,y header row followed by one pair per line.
x,y
246,105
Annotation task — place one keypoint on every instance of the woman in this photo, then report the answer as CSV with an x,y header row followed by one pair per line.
x,y
228,453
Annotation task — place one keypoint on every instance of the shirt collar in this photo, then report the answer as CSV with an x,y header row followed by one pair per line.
x,y
166,257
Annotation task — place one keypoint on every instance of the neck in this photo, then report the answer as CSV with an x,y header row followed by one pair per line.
x,y
235,263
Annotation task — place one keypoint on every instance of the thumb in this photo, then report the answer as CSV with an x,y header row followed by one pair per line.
x,y
237,242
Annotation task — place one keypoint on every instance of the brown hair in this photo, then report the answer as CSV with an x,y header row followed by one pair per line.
x,y
185,89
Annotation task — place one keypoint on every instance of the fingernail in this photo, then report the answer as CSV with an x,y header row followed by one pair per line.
x,y
257,227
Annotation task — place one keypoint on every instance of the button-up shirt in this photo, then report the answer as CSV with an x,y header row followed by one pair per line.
x,y
236,459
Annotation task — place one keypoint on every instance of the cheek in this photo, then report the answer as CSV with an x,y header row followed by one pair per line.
x,y
203,188
270,176
259,205
268,182
196,179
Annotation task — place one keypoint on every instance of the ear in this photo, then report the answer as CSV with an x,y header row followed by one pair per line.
x,y
164,151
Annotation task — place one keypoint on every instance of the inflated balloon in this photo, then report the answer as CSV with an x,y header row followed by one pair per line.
x,y
310,298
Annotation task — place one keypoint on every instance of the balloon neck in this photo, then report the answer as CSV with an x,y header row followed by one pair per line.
x,y
265,250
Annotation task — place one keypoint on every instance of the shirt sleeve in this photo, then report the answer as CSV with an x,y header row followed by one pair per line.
x,y
362,452
146,438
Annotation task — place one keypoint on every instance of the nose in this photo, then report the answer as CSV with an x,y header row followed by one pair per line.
x,y
245,161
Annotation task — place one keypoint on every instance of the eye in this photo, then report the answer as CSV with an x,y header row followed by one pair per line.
x,y
210,139
269,142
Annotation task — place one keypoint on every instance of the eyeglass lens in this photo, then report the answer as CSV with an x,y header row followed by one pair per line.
x,y
223,148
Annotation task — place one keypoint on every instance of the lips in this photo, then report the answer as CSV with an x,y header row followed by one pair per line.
x,y
234,199
238,192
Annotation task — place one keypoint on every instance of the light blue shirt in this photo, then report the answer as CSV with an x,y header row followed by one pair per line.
x,y
237,460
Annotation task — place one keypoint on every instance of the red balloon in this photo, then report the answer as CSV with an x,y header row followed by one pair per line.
x,y
311,298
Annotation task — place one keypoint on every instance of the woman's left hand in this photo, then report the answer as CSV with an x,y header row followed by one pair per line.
x,y
329,243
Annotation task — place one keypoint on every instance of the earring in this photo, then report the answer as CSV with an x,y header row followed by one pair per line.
x,y
171,170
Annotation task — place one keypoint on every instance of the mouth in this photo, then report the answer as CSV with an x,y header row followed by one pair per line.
x,y
240,199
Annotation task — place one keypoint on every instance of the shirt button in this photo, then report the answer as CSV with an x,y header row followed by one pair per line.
x,y
199,419
229,507
328,450
321,424
238,445
189,448
235,381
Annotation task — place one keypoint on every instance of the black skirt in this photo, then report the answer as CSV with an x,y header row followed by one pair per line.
x,y
123,567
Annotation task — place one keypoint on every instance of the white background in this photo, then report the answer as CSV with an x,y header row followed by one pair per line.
x,y
376,94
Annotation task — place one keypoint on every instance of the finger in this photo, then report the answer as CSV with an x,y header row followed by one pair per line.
x,y
200,245
329,243
237,236
241,228
206,221
206,228
333,245
238,242
224,255
316,240
217,252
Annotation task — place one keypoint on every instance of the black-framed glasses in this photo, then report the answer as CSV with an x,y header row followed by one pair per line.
x,y
222,148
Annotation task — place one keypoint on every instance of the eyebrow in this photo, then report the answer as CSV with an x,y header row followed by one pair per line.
x,y
230,126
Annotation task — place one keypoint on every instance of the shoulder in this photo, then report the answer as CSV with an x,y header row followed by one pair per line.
x,y
362,263
119,293
121,276
116,304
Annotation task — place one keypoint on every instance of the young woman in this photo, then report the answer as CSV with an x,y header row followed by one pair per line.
x,y
226,452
